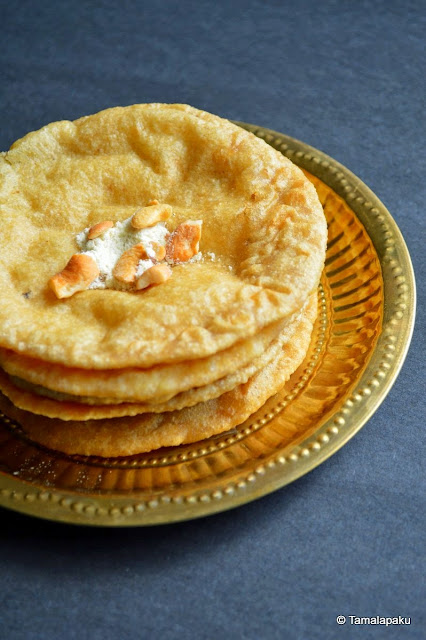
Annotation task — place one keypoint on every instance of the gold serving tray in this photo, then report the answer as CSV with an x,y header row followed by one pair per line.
x,y
361,337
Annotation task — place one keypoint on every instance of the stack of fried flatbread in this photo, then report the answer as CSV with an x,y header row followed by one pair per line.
x,y
115,372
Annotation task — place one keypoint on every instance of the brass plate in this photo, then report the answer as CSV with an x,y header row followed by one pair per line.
x,y
367,308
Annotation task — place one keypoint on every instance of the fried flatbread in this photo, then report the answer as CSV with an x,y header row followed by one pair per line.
x,y
262,221
134,384
40,401
132,435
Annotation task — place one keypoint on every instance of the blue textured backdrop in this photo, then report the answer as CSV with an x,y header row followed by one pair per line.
x,y
348,538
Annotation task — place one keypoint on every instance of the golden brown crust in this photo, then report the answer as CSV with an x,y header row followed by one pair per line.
x,y
134,384
132,435
269,251
40,401
129,371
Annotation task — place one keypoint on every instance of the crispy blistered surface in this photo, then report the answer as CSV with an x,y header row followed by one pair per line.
x,y
69,407
261,220
138,385
145,432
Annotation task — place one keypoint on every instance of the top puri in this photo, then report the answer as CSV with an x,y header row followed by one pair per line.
x,y
261,217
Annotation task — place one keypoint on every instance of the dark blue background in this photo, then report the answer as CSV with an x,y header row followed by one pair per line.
x,y
348,538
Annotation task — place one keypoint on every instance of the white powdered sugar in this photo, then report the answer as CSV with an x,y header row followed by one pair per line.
x,y
110,245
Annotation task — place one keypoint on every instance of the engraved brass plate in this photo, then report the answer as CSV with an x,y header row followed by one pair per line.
x,y
362,334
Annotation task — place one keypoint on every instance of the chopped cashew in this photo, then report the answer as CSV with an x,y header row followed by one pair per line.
x,y
149,216
98,229
125,268
154,275
184,242
156,251
77,275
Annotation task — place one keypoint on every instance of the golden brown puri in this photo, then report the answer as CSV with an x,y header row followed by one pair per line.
x,y
109,372
40,401
134,384
132,435
261,219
